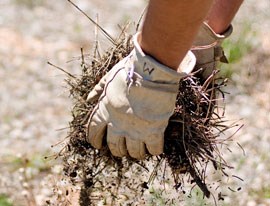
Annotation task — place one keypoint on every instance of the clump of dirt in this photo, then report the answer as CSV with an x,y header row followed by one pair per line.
x,y
191,137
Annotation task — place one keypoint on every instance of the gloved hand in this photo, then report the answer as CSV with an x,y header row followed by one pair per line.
x,y
135,101
207,49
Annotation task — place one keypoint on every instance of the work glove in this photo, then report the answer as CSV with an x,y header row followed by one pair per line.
x,y
208,50
135,101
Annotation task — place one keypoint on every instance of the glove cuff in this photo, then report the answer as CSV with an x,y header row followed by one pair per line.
x,y
150,69
206,36
207,49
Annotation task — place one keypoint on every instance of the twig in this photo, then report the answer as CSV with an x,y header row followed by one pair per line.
x,y
69,74
140,19
199,182
110,38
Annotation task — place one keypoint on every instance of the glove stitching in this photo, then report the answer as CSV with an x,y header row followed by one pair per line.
x,y
133,78
204,47
102,96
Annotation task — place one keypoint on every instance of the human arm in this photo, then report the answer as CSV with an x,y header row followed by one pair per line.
x,y
222,13
170,27
131,117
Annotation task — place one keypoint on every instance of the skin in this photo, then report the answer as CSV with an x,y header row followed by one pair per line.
x,y
170,26
222,13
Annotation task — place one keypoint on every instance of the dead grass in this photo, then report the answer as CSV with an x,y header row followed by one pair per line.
x,y
192,138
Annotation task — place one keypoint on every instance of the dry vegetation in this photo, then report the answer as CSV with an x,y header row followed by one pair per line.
x,y
192,138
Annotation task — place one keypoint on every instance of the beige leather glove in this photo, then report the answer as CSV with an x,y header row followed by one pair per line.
x,y
135,101
207,49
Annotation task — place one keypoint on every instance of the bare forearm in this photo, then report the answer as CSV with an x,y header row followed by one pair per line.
x,y
222,13
170,27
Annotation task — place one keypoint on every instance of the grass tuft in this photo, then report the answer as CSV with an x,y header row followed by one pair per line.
x,y
5,201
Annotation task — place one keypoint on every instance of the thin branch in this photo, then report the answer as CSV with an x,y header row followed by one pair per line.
x,y
110,38
69,74
140,19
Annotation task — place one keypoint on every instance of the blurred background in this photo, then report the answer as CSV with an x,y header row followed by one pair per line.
x,y
35,107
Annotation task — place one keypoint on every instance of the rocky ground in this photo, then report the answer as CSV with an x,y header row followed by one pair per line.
x,y
34,104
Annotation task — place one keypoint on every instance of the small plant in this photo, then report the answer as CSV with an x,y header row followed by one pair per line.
x,y
5,201
262,193
156,197
27,167
36,162
237,48
196,198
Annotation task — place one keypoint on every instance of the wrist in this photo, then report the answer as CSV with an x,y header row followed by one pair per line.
x,y
156,70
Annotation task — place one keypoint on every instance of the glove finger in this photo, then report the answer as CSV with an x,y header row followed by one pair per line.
x,y
116,142
95,93
136,148
155,144
96,130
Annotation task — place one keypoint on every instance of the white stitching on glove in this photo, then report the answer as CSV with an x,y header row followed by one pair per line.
x,y
136,99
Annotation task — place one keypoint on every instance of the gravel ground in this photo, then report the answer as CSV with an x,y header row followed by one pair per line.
x,y
34,104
